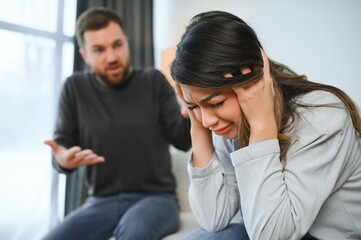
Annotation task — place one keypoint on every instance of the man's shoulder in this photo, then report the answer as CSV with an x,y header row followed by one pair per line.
x,y
147,72
149,76
79,75
78,78
78,81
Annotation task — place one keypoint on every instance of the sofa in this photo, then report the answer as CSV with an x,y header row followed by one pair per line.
x,y
187,220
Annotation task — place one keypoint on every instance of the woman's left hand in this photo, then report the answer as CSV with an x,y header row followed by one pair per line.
x,y
257,103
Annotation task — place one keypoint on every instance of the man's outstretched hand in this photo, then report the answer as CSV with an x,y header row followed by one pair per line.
x,y
73,157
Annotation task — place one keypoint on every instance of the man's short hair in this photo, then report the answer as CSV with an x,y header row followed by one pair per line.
x,y
95,19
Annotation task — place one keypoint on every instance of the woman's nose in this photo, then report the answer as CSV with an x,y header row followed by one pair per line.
x,y
209,119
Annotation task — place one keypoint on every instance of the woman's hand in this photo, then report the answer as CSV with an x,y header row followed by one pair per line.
x,y
195,124
257,103
202,145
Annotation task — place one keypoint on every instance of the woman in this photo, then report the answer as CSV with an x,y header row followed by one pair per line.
x,y
284,150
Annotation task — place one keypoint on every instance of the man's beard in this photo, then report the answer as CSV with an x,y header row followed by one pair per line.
x,y
106,79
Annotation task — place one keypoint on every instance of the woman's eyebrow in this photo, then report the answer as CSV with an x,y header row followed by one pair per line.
x,y
189,103
214,94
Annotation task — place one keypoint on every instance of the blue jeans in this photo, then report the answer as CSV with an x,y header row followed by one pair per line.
x,y
234,231
124,216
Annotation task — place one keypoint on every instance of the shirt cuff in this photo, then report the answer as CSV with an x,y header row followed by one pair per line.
x,y
212,167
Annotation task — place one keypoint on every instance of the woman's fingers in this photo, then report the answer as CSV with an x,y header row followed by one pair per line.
x,y
257,100
266,71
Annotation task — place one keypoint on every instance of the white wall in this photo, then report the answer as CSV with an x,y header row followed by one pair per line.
x,y
321,39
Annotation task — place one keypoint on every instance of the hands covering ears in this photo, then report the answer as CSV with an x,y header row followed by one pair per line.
x,y
257,103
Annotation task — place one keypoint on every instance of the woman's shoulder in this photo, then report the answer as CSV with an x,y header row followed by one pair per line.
x,y
322,111
319,97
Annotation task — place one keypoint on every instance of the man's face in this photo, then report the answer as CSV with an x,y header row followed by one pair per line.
x,y
107,52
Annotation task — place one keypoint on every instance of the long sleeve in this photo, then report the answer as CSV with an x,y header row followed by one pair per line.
x,y
286,205
131,125
66,129
318,192
213,191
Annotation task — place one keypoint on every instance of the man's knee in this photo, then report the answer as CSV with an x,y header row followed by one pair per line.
x,y
135,231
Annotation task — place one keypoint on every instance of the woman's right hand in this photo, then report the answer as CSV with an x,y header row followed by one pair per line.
x,y
195,124
70,159
202,145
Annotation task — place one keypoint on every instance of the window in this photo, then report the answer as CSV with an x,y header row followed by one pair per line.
x,y
37,49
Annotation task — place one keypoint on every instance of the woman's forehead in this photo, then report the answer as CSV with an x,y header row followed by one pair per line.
x,y
198,94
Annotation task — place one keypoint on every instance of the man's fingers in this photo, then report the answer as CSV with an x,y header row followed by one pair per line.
x,y
77,153
94,158
87,157
51,143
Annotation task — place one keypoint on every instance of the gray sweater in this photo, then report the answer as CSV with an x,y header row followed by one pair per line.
x,y
319,192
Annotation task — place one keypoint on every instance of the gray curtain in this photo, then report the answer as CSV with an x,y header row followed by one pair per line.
x,y
138,20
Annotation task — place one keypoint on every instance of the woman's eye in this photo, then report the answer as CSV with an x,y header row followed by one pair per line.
x,y
215,105
191,108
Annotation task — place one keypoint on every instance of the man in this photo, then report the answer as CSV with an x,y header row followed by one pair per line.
x,y
118,122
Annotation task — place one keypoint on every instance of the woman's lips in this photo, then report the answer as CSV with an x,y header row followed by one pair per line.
x,y
222,131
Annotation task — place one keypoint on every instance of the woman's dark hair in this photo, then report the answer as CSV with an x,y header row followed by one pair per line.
x,y
95,19
218,42
215,43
